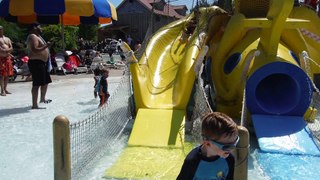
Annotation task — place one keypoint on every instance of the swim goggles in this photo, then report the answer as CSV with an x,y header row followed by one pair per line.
x,y
224,147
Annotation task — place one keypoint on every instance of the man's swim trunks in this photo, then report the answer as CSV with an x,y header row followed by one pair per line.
x,y
6,68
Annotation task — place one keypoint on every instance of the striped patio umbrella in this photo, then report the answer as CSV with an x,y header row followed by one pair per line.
x,y
65,12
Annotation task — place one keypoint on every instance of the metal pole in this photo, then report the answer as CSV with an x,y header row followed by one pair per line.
x,y
242,153
62,33
61,148
152,16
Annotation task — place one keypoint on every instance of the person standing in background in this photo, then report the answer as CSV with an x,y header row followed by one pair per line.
x,y
103,87
6,68
38,52
130,41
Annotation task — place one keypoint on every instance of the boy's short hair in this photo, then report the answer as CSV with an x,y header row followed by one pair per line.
x,y
217,124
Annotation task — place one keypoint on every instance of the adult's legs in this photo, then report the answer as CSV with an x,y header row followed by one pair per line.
x,y
43,91
38,71
6,80
34,93
3,92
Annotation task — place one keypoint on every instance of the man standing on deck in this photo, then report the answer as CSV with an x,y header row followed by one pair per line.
x,y
6,69
38,52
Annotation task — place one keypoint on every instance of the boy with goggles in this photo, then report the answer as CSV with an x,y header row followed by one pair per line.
x,y
213,158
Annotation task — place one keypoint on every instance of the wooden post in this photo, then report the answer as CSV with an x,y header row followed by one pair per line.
x,y
61,148
242,153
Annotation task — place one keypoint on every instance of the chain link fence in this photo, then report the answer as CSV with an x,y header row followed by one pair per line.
x,y
201,105
91,136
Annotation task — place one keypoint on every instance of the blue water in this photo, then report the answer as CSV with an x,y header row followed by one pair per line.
x,y
293,167
275,166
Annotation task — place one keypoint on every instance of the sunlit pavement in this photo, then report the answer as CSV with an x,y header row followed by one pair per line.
x,y
26,135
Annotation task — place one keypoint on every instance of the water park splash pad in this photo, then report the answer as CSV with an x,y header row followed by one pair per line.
x,y
259,66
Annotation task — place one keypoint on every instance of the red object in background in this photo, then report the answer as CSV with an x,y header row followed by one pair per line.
x,y
74,60
67,66
25,59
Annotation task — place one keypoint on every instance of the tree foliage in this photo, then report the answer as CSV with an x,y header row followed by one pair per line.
x,y
88,32
17,34
53,33
14,32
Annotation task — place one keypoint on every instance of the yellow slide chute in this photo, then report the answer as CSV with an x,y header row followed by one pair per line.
x,y
163,78
162,83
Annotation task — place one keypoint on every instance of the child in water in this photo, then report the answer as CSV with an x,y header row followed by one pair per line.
x,y
97,76
103,89
213,158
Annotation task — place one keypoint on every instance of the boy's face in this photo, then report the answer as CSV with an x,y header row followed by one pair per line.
x,y
221,147
106,74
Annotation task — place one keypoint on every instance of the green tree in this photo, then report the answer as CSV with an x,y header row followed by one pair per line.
x,y
71,37
53,33
13,31
88,32
17,34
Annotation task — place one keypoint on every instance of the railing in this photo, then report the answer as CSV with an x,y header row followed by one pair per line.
x,y
78,145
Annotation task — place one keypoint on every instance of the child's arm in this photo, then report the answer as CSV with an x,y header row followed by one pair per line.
x,y
107,91
95,82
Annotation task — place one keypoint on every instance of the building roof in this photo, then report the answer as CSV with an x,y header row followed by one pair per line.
x,y
168,10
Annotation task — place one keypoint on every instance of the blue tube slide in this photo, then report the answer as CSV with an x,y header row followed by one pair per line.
x,y
279,88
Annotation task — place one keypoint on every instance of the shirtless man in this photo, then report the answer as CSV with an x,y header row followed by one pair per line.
x,y
38,52
6,69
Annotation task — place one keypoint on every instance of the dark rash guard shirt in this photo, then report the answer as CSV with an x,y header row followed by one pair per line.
x,y
198,167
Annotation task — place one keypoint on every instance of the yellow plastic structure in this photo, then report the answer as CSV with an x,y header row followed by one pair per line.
x,y
260,40
148,163
163,77
158,128
162,81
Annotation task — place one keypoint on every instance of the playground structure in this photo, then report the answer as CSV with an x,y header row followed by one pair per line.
x,y
262,64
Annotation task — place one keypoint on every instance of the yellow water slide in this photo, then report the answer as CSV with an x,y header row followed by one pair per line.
x,y
162,80
163,77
